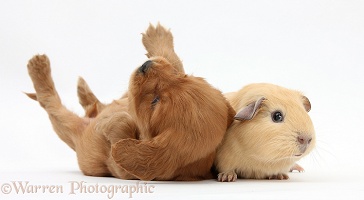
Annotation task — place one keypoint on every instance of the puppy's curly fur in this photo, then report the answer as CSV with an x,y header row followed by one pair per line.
x,y
167,127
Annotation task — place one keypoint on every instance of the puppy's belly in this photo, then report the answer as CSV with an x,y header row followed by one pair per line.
x,y
93,148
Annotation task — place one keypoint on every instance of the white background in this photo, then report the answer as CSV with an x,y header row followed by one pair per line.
x,y
316,47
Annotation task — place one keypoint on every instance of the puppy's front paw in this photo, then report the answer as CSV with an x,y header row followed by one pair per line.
x,y
156,40
229,176
279,176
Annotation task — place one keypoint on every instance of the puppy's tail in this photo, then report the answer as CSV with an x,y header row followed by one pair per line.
x,y
66,124
88,100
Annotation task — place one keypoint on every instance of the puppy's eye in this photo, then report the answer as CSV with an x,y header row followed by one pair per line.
x,y
155,100
277,117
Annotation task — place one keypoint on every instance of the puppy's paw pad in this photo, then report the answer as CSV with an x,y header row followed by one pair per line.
x,y
155,38
39,63
230,176
158,33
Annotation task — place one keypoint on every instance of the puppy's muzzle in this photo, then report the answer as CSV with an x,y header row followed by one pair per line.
x,y
143,69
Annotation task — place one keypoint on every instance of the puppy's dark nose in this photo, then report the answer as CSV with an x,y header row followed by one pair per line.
x,y
143,69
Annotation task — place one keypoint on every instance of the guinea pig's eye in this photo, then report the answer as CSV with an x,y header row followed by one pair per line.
x,y
277,117
155,101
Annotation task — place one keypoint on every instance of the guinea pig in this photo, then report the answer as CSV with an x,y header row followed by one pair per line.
x,y
271,132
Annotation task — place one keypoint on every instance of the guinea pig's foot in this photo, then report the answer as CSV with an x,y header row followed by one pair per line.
x,y
297,168
229,176
278,177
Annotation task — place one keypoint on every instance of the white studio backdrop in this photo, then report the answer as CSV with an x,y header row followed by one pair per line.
x,y
312,46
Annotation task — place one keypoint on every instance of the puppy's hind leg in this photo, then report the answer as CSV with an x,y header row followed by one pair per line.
x,y
65,123
88,100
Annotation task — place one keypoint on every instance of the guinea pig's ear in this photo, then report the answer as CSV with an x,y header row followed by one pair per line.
x,y
306,103
249,111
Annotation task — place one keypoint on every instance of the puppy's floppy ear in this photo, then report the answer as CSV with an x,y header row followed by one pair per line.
x,y
249,111
306,103
142,159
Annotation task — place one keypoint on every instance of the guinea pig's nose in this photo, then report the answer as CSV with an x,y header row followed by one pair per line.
x,y
143,69
304,139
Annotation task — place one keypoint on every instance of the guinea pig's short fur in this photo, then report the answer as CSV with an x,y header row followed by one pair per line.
x,y
271,131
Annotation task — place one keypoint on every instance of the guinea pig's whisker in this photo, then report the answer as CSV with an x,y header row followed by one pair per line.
x,y
314,158
316,153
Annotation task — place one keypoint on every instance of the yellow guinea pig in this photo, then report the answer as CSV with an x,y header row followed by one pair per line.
x,y
271,132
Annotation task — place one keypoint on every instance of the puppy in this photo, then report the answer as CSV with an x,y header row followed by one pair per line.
x,y
152,159
167,127
181,121
271,132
